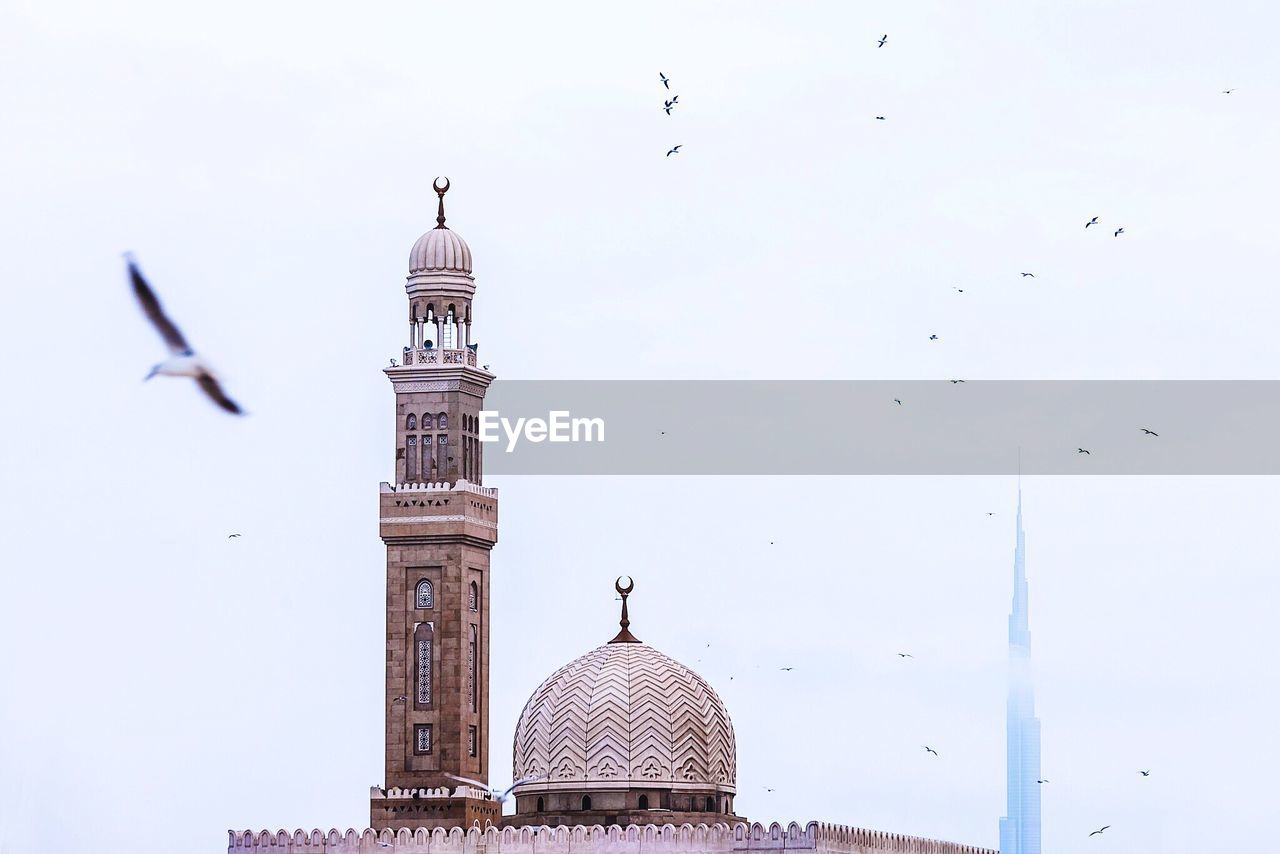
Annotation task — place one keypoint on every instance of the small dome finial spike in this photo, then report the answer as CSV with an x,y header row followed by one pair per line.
x,y
440,191
624,636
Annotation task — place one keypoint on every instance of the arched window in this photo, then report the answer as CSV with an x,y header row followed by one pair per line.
x,y
442,423
586,802
644,802
473,597
411,423
427,420
411,459
711,804
422,636
541,805
425,595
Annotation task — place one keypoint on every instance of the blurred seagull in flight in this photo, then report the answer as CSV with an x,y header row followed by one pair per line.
x,y
182,361
1145,773
897,401
501,796
1119,231
674,150
1026,275
933,337
929,749
786,668
1227,91
232,536
879,118
1099,830
1093,221
666,82
1082,451
905,655
1042,781
884,38
1148,432
957,381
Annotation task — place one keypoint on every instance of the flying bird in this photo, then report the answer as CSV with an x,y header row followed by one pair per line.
x,y
1099,830
897,401
785,668
961,290
675,150
504,795
880,118
182,361
666,82
1119,231
957,381
667,108
232,536
929,749
905,655
1042,781
991,514
767,789
933,337
884,38
1028,275
1227,91
1148,432
1145,773
1093,221
1083,451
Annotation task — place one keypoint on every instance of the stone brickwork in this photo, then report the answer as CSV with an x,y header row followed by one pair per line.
x,y
648,839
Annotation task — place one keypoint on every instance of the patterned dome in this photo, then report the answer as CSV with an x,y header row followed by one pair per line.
x,y
440,250
624,714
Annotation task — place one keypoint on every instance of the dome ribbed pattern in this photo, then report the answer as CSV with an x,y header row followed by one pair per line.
x,y
440,250
625,712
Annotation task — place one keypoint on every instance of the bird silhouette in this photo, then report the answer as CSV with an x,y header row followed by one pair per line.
x,y
500,795
1227,91
1148,432
933,337
1145,773
991,514
1119,231
957,381
788,669
393,363
929,749
667,108
884,38
880,118
1083,451
905,655
1099,830
1042,781
897,401
182,361
674,150
666,82
1028,275
960,290
1093,221
232,536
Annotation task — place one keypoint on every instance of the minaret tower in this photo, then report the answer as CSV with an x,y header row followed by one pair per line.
x,y
1020,829
439,524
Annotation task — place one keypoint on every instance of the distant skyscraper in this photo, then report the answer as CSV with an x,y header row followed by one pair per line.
x,y
1020,829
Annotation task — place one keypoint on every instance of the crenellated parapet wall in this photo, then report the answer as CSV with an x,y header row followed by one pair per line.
x,y
633,839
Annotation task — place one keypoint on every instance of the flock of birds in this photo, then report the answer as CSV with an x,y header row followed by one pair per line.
x,y
669,105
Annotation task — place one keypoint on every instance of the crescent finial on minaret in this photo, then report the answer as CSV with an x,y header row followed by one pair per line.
x,y
624,635
440,191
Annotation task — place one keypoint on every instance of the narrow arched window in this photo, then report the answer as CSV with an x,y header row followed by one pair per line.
x,y
427,420
411,423
442,423
422,636
411,459
541,805
425,595
473,597
586,802
644,802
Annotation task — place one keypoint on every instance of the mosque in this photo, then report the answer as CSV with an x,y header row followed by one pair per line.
x,y
621,751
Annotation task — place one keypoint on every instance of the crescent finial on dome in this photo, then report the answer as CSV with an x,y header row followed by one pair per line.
x,y
624,635
440,191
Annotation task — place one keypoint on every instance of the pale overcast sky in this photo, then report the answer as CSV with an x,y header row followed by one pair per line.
x,y
270,165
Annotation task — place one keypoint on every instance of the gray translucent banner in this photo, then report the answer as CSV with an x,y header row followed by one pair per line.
x,y
857,427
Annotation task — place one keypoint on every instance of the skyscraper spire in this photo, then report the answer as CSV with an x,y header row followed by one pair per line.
x,y
1020,828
